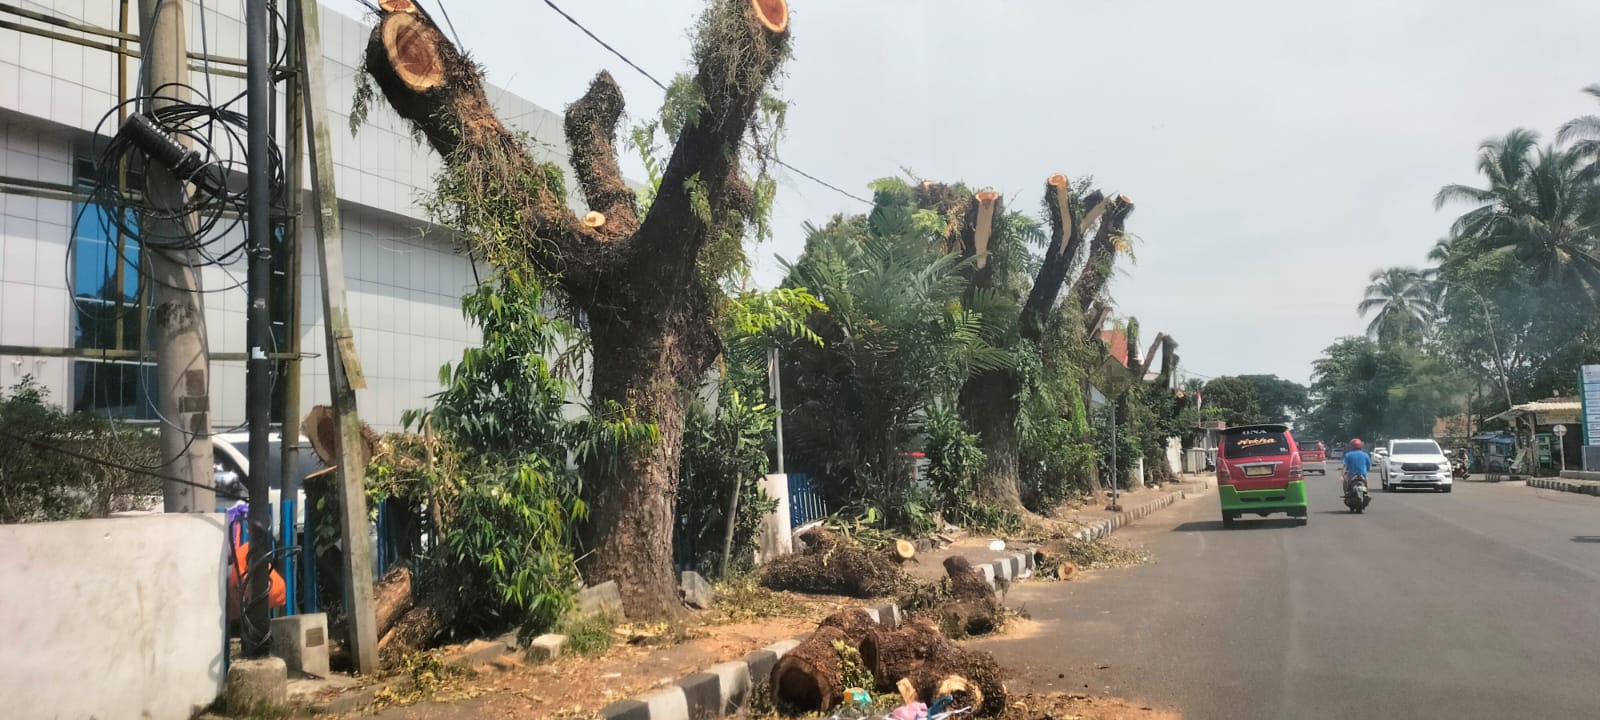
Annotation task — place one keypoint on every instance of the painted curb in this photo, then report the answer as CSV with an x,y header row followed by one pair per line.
x,y
722,689
1104,528
1581,488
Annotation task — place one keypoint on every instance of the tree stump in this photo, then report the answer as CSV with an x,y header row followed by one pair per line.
x,y
892,655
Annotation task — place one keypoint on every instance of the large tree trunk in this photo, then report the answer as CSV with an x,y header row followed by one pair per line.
x,y
990,404
638,280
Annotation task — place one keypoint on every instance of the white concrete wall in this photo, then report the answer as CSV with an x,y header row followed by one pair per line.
x,y
109,619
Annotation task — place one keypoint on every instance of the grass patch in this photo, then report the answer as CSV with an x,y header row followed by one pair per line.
x,y
588,634
742,599
428,677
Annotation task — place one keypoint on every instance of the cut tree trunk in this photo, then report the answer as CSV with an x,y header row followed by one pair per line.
x,y
892,655
636,280
902,550
855,623
973,608
971,676
991,404
806,678
391,597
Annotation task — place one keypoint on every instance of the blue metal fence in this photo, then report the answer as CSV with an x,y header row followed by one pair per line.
x,y
805,503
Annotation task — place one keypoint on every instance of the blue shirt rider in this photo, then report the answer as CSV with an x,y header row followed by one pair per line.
x,y
1356,462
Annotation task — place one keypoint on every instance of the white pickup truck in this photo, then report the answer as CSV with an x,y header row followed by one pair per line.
x,y
1416,463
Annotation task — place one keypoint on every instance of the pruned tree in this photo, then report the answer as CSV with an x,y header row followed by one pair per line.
x,y
991,401
639,279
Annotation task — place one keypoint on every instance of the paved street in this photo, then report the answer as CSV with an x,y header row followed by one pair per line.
x,y
1483,603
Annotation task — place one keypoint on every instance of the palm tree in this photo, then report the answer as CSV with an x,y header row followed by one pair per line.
x,y
1539,205
1402,303
1582,134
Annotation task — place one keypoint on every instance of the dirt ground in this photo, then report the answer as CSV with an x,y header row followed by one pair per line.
x,y
1078,706
576,687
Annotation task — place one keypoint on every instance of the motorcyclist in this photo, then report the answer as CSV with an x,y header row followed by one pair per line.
x,y
1356,462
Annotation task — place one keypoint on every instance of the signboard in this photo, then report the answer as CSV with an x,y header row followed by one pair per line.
x,y
1589,390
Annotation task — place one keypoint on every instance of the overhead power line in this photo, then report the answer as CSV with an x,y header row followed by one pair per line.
x,y
769,156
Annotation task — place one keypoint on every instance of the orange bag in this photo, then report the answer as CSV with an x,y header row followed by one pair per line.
x,y
277,591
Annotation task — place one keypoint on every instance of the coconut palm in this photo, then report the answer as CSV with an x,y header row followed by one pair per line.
x,y
1539,205
1582,135
1401,303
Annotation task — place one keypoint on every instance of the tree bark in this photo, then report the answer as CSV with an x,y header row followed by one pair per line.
x,y
637,280
391,598
894,654
807,677
1102,253
979,671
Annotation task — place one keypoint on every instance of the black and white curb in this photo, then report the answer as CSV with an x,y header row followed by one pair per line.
x,y
722,689
1565,485
1103,528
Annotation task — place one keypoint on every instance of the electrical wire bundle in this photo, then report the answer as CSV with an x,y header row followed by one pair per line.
x,y
195,144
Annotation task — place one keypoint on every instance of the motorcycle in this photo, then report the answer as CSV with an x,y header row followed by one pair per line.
x,y
1458,470
1356,497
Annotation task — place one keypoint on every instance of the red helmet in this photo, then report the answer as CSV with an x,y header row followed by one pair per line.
x,y
1356,443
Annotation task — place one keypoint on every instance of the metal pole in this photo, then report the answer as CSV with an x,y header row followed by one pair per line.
x,y
183,364
776,386
258,321
289,374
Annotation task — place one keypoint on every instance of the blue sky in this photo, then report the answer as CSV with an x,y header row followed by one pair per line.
x,y
1278,150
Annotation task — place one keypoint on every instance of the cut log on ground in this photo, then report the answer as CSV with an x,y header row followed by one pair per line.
x,y
391,597
892,655
807,678
902,550
971,676
973,608
856,624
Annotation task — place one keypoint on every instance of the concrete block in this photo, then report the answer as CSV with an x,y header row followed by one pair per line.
x,y
1002,569
697,593
889,616
547,647
702,695
255,684
760,663
605,599
873,612
782,647
301,641
667,704
626,710
987,571
733,684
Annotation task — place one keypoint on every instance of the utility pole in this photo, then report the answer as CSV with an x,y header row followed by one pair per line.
x,y
183,362
258,327
344,368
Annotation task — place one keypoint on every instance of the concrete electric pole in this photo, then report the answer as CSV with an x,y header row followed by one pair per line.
x,y
183,361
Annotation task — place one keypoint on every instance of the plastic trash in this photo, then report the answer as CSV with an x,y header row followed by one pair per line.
x,y
997,545
857,696
909,711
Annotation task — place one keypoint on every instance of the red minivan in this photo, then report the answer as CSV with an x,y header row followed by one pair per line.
x,y
1314,458
1260,471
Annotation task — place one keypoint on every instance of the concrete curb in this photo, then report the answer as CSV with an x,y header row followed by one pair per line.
x,y
1106,527
1583,488
722,689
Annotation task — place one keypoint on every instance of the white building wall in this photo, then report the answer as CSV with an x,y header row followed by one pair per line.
x,y
404,282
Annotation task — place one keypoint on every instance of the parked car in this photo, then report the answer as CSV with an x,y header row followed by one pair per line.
x,y
231,453
1414,463
1315,458
1260,471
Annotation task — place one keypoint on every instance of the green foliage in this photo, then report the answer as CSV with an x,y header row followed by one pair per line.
x,y
507,548
1058,447
897,339
1232,400
361,104
1369,391
643,138
682,107
39,482
490,469
955,465
724,451
1402,306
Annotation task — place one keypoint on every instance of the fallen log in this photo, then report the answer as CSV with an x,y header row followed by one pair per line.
x,y
391,597
902,550
971,677
832,565
807,678
973,608
855,623
892,655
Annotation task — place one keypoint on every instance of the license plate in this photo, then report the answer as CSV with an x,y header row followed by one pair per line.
x,y
1262,471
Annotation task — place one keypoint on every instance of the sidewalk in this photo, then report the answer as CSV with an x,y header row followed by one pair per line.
x,y
1086,523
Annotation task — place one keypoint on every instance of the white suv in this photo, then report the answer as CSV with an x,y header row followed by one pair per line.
x,y
1415,464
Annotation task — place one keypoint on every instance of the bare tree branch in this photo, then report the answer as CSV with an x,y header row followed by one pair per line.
x,y
591,127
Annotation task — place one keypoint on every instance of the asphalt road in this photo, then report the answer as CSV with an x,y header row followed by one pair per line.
x,y
1481,603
